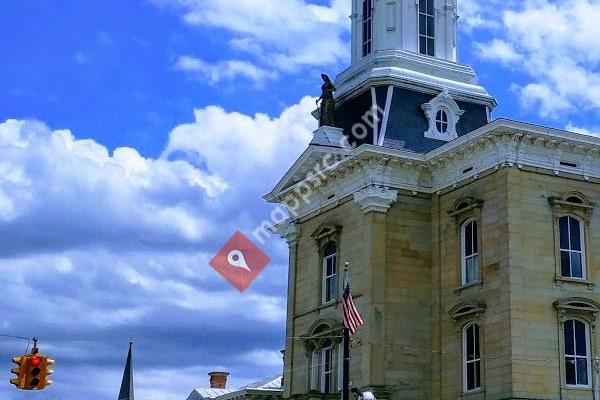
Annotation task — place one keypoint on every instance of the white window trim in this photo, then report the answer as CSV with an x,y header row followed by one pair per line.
x,y
323,372
463,256
465,362
582,245
326,277
588,352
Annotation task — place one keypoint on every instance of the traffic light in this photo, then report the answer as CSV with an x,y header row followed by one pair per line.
x,y
19,371
46,372
37,371
33,371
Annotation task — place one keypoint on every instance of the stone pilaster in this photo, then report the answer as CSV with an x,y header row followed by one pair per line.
x,y
289,231
375,201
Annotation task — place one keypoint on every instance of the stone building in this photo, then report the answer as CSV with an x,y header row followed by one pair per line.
x,y
266,389
474,242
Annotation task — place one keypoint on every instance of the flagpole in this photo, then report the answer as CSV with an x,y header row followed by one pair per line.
x,y
346,371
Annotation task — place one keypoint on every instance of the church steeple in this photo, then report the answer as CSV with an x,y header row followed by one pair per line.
x,y
126,392
425,27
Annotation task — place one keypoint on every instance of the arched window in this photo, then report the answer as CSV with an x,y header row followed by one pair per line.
x,y
471,358
427,27
572,260
441,121
329,273
327,367
470,252
367,28
577,353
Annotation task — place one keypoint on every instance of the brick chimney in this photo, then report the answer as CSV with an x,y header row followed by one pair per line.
x,y
218,380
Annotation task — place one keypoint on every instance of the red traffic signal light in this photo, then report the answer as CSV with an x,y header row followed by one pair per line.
x,y
32,372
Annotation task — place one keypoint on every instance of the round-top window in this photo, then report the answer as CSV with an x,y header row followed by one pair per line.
x,y
441,121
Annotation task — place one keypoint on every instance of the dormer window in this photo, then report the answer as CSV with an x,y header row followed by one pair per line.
x,y
367,28
443,114
426,27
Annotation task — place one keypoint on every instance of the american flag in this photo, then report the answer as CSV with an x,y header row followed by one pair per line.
x,y
352,318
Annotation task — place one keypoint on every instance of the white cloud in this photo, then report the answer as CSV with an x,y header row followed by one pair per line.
x,y
287,34
81,58
223,70
498,50
583,130
113,245
244,150
554,43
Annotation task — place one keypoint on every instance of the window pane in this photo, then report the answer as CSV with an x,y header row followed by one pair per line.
x,y
430,47
475,245
565,264
472,269
477,354
333,287
469,239
580,342
575,230
470,344
430,26
423,45
314,370
569,339
422,5
422,24
477,374
570,371
470,376
330,289
468,270
576,269
564,232
330,249
334,263
582,371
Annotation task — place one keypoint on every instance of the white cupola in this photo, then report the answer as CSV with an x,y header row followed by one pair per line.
x,y
425,27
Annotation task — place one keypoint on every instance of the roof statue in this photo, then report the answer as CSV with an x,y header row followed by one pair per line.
x,y
327,102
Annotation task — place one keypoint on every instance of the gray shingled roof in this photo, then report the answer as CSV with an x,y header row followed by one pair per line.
x,y
268,384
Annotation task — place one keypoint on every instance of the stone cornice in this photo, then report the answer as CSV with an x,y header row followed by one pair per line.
x,y
500,144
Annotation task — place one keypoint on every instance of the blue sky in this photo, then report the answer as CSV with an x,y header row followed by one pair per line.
x,y
137,136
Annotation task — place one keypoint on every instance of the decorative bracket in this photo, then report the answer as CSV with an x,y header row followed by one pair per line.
x,y
375,198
